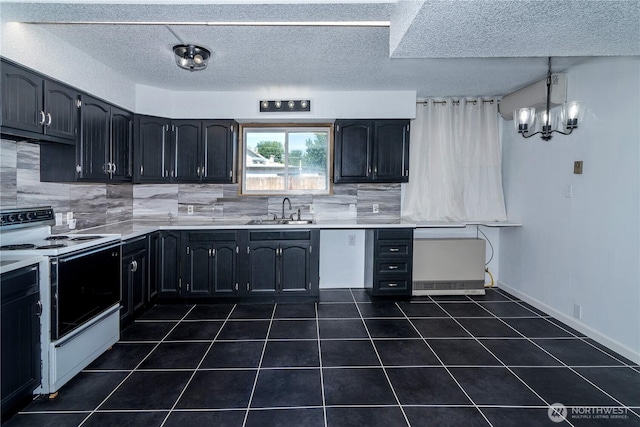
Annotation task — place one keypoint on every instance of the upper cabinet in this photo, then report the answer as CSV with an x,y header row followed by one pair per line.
x,y
35,107
152,152
104,152
186,151
371,151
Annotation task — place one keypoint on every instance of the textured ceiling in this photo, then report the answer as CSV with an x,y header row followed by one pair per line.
x,y
438,48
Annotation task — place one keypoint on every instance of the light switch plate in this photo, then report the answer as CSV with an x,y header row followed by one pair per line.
x,y
577,167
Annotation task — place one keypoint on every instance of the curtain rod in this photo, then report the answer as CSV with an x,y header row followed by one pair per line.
x,y
455,102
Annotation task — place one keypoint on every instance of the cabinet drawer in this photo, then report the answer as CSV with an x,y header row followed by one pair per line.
x,y
387,248
212,235
394,234
391,285
393,266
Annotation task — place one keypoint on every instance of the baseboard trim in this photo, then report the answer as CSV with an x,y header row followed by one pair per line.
x,y
578,326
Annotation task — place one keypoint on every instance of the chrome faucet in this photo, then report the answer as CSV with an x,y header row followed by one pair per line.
x,y
286,199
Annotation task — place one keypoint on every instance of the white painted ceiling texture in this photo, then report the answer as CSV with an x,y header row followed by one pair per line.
x,y
437,48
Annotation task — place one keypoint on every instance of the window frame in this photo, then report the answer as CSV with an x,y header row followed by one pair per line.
x,y
286,127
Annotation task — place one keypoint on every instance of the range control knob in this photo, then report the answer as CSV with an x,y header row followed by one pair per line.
x,y
30,216
11,218
20,217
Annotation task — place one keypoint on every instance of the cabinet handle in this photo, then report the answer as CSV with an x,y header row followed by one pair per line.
x,y
392,285
187,250
42,118
198,171
247,286
375,169
113,165
393,249
236,287
369,171
134,266
141,170
48,120
39,313
393,267
166,172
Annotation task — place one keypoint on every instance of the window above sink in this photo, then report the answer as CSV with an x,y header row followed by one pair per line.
x,y
286,160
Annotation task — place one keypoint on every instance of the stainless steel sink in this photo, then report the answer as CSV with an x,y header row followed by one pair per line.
x,y
280,222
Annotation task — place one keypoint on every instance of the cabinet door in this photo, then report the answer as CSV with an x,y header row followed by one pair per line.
x,y
61,110
168,264
95,124
353,156
121,136
217,151
391,151
22,99
198,275
126,286
187,164
294,267
20,336
263,271
139,278
224,267
152,149
154,262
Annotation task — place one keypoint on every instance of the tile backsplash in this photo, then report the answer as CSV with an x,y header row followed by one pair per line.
x,y
99,204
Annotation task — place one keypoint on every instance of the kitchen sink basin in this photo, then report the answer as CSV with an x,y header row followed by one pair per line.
x,y
280,222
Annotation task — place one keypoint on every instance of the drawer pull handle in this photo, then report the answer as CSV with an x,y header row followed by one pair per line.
x,y
392,285
393,267
394,250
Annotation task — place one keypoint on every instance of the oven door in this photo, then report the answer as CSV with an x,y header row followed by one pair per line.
x,y
83,285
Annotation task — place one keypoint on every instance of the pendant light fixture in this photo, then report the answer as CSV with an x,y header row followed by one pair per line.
x,y
545,121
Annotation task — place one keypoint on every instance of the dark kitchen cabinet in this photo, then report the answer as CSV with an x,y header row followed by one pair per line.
x,y
152,149
35,107
210,263
389,262
135,278
20,339
283,263
217,154
204,150
154,262
185,151
104,153
371,151
168,264
186,136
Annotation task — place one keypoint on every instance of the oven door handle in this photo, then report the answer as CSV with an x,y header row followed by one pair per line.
x,y
68,338
85,253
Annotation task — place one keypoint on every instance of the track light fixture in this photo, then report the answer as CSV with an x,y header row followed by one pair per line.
x,y
284,106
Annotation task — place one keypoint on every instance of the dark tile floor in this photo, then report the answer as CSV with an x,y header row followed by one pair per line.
x,y
458,361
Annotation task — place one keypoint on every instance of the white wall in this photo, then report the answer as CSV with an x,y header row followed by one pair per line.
x,y
38,49
341,265
584,249
244,106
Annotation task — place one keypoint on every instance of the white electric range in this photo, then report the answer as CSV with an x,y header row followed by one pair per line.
x,y
79,290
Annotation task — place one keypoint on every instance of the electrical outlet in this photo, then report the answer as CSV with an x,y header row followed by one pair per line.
x,y
577,167
568,191
69,216
577,311
59,220
189,209
352,239
312,209
376,208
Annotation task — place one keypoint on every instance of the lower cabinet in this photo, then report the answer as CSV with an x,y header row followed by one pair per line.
x,y
389,262
251,265
210,263
167,264
20,339
283,262
134,295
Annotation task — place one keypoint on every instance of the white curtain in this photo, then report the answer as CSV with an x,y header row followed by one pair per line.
x,y
455,163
